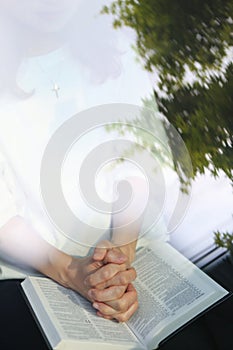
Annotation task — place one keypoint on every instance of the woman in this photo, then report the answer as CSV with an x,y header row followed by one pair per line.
x,y
59,58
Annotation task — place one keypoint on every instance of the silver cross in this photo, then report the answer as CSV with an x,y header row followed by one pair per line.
x,y
56,88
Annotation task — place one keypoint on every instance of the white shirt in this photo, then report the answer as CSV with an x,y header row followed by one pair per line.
x,y
27,125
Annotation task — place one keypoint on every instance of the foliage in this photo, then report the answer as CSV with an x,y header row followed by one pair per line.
x,y
189,44
175,34
224,240
203,116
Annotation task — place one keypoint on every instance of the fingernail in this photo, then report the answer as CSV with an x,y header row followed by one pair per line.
x,y
95,305
98,255
90,293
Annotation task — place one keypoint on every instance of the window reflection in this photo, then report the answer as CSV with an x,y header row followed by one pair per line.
x,y
188,46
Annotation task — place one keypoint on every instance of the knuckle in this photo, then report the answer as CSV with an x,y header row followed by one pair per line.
x,y
106,273
116,293
102,285
88,281
120,291
135,295
124,305
91,281
94,294
134,273
103,309
123,279
122,318
116,305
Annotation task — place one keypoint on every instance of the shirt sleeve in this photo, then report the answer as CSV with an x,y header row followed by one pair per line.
x,y
10,204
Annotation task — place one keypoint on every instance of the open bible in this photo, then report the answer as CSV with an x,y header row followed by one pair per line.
x,y
171,292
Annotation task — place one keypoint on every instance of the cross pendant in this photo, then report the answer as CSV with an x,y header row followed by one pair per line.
x,y
55,89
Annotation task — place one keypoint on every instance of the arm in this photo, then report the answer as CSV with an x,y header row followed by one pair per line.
x,y
19,241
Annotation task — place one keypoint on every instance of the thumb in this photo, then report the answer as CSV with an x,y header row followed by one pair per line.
x,y
101,250
105,251
115,256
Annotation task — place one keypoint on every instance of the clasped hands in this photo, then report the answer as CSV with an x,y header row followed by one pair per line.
x,y
105,278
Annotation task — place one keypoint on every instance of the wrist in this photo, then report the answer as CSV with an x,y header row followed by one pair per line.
x,y
129,250
71,274
57,266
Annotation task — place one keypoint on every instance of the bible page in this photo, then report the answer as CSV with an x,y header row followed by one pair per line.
x,y
171,292
75,321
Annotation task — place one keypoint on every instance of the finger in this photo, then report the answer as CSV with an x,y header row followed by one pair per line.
x,y
120,279
98,313
121,317
104,295
101,250
115,256
105,250
109,313
121,304
104,274
124,317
